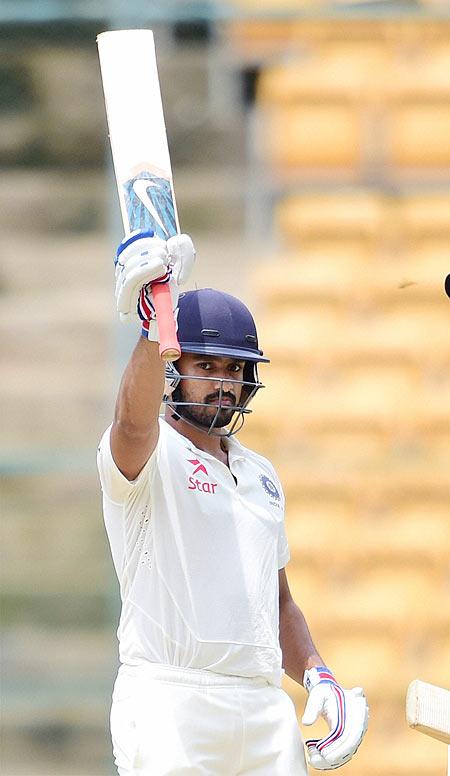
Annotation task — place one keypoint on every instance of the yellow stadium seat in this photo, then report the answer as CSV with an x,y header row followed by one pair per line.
x,y
315,328
403,534
390,748
418,135
295,329
384,593
311,136
306,583
311,516
438,446
259,39
386,525
425,215
433,662
357,655
418,270
357,389
424,72
352,271
415,327
309,218
335,70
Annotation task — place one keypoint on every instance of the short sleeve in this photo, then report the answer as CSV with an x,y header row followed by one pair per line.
x,y
114,484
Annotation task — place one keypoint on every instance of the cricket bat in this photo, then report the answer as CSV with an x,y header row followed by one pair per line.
x,y
140,151
428,709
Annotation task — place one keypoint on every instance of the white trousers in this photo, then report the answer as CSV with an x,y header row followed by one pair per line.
x,y
171,722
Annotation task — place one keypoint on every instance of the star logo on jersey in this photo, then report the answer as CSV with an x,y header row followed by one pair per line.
x,y
194,483
200,467
270,487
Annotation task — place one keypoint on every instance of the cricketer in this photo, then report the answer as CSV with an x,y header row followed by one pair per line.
x,y
195,523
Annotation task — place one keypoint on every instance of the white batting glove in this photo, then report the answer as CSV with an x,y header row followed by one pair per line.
x,y
142,260
346,713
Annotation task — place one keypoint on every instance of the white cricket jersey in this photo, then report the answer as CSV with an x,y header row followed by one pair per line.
x,y
197,547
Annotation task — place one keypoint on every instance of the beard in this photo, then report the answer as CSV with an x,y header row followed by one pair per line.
x,y
204,415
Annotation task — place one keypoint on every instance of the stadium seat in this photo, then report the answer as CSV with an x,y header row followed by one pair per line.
x,y
353,654
425,215
313,327
424,73
356,389
406,754
350,215
418,135
256,41
306,583
347,71
387,526
382,591
311,136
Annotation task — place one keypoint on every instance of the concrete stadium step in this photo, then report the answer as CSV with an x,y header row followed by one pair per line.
x,y
60,204
52,524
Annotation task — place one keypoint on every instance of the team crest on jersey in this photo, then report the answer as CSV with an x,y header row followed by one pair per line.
x,y
149,204
270,487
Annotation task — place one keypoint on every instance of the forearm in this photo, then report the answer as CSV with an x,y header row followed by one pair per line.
x,y
135,430
141,389
297,646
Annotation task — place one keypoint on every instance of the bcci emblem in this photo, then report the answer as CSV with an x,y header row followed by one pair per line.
x,y
269,487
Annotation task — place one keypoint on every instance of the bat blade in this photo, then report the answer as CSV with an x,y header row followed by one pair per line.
x,y
140,150
428,709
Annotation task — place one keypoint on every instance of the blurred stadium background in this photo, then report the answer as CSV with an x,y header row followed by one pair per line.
x,y
311,148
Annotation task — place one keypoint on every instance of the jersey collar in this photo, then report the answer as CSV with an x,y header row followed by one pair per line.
x,y
235,450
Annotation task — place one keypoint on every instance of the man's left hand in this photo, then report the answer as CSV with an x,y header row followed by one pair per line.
x,y
346,713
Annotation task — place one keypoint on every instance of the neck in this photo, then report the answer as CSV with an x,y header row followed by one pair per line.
x,y
214,445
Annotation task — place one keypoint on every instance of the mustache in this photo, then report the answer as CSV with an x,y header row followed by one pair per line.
x,y
214,397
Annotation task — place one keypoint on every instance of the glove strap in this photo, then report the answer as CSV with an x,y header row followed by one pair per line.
x,y
317,675
131,238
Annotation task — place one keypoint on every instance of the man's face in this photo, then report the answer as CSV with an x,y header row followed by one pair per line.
x,y
208,391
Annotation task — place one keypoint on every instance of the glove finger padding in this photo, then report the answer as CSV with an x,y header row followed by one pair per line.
x,y
318,761
181,254
346,713
354,728
182,257
139,262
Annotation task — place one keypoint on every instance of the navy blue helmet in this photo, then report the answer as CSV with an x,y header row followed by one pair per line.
x,y
213,323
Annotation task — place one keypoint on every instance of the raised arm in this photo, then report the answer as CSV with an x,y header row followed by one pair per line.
x,y
134,432
143,260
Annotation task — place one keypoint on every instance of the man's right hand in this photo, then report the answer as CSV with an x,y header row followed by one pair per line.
x,y
143,260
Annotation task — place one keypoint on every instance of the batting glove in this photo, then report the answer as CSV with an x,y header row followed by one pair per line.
x,y
346,713
142,260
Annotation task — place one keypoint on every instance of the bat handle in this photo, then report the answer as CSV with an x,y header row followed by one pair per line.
x,y
169,348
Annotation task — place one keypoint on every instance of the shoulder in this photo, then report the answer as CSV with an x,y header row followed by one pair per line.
x,y
115,486
267,472
259,460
